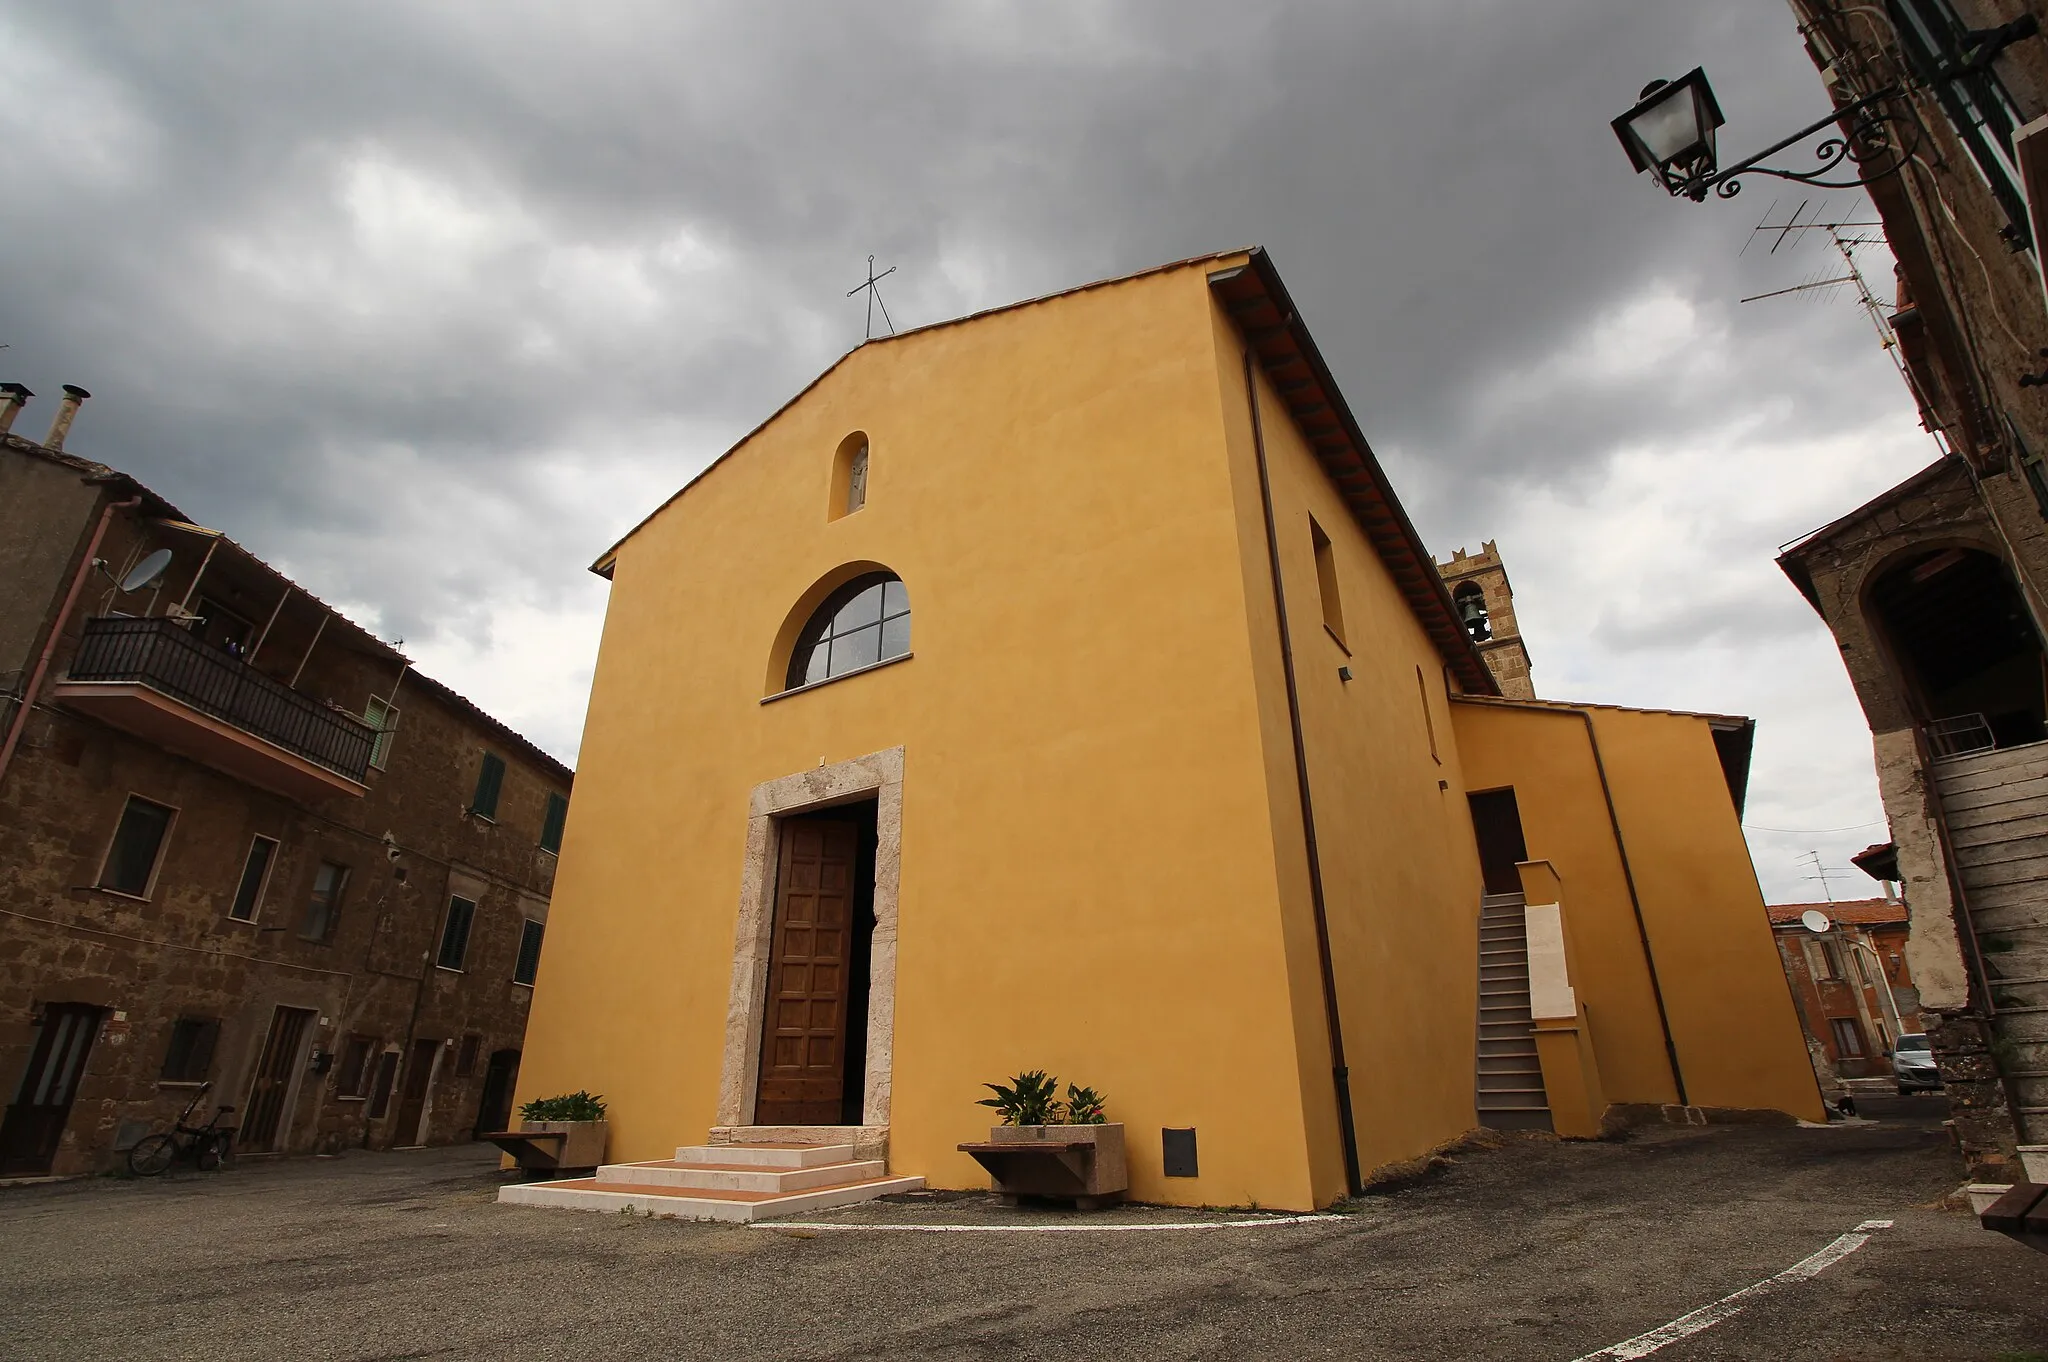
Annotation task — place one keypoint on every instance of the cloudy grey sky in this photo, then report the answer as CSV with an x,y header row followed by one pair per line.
x,y
427,302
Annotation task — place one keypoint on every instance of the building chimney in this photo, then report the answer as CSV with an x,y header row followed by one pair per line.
x,y
13,397
67,410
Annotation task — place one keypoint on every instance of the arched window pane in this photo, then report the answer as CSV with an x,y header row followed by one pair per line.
x,y
864,622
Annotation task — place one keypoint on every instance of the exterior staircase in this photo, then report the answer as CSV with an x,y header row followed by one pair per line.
x,y
1510,1078
733,1182
1996,806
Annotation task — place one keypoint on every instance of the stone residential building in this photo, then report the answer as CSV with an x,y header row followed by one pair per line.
x,y
245,845
1936,591
1851,984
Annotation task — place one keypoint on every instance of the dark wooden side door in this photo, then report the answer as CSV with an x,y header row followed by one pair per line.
x,y
412,1099
804,1036
263,1116
494,1113
42,1103
1497,823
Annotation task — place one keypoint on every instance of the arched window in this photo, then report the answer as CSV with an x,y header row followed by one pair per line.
x,y
862,623
1471,602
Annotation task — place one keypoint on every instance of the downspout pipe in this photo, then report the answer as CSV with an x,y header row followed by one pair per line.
x,y
1627,874
35,680
1340,1073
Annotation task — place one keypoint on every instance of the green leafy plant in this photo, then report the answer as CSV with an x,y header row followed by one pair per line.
x,y
571,1106
1030,1099
1084,1107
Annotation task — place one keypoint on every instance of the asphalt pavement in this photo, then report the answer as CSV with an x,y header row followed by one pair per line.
x,y
1536,1249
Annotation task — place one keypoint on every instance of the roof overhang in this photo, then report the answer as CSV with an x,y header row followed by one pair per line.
x,y
1258,302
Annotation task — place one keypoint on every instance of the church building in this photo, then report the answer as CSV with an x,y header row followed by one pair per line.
x,y
1064,687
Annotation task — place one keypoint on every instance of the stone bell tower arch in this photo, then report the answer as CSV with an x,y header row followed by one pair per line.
x,y
1486,607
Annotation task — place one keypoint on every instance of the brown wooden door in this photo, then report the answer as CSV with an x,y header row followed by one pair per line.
x,y
412,1100
263,1116
804,1038
42,1103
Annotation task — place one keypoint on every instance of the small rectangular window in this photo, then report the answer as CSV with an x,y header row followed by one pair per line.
x,y
323,909
380,1086
465,1057
455,933
255,875
551,823
190,1057
352,1076
528,966
381,715
490,778
131,862
1848,1037
1326,582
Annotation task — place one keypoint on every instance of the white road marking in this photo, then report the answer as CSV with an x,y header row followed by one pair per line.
x,y
1707,1316
1043,1229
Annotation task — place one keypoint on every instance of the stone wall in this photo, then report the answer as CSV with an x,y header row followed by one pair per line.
x,y
408,844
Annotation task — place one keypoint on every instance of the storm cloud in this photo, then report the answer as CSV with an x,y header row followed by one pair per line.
x,y
428,302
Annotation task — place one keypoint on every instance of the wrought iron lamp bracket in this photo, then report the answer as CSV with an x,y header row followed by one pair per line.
x,y
1869,145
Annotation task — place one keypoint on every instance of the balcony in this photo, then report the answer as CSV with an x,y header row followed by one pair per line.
x,y
152,678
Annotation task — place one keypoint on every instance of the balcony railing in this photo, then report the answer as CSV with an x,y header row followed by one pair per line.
x,y
163,656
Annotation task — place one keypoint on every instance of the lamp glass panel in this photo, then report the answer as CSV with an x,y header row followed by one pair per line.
x,y
1670,128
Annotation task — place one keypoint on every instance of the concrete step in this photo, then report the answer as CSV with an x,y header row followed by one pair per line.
x,y
697,1203
766,1155
731,1177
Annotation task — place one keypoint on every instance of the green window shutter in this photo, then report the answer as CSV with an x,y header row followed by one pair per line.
x,y
489,781
551,824
455,933
529,953
383,717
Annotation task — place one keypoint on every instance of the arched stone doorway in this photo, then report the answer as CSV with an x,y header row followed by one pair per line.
x,y
1970,657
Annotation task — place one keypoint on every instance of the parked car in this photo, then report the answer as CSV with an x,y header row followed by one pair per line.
x,y
1913,1065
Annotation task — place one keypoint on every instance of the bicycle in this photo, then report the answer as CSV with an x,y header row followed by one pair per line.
x,y
205,1146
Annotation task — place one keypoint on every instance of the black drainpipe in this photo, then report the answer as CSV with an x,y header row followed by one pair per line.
x,y
1628,875
1339,1073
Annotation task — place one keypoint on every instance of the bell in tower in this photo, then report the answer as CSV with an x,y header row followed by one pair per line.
x,y
1486,608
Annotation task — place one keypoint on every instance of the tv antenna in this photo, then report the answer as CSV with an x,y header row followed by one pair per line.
x,y
875,297
1841,234
1820,873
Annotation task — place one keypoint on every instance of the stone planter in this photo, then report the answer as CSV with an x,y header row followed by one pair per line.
x,y
2034,1159
1084,1164
581,1146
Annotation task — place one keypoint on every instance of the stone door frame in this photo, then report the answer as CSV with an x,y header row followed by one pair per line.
x,y
877,776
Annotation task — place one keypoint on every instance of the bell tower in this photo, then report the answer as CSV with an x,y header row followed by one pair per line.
x,y
1486,607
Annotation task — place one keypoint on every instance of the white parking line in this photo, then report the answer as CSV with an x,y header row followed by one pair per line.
x,y
1707,1316
1260,1223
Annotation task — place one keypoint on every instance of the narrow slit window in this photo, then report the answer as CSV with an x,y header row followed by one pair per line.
x,y
1428,720
1326,582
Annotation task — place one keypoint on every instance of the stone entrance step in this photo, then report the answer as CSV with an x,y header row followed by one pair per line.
x,y
729,1182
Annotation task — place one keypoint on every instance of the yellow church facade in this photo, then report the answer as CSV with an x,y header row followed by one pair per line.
x,y
1064,688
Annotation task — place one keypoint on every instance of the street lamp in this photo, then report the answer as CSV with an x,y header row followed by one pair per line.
x,y
1671,131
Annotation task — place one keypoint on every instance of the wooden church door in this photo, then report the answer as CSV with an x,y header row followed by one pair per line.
x,y
803,1045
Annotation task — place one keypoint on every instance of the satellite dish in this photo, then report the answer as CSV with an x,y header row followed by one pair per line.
x,y
150,569
1815,921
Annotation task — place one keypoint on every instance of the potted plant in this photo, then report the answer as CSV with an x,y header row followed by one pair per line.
x,y
1052,1148
577,1117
